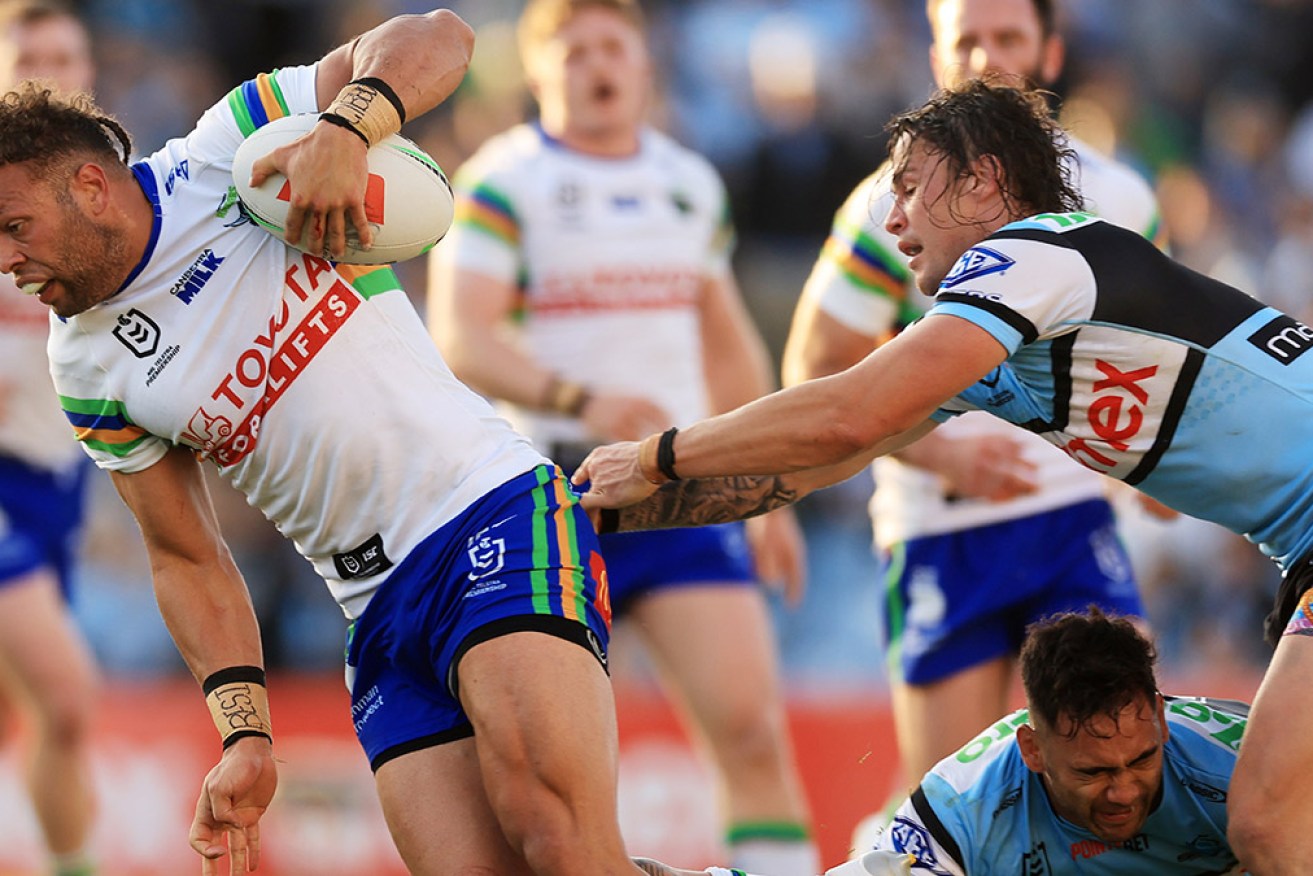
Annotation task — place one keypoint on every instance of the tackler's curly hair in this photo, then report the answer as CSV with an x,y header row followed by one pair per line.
x,y
48,131
1080,666
985,118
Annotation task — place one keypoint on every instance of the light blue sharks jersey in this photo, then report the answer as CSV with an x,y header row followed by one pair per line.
x,y
1146,371
982,812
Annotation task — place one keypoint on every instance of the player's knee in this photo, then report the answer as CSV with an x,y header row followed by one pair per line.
x,y
64,716
750,738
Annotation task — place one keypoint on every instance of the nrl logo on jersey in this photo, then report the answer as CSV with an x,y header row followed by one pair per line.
x,y
976,262
138,332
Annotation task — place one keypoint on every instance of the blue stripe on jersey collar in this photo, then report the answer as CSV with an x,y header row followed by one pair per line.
x,y
146,179
555,143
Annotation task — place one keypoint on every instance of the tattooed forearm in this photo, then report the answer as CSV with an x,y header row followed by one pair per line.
x,y
704,501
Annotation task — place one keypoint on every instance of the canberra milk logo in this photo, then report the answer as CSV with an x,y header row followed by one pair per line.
x,y
138,332
198,273
976,262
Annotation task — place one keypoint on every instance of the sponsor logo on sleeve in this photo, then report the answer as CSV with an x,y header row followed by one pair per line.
x,y
978,261
1284,339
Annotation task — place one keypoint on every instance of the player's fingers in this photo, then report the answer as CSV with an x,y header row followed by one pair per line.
x,y
364,231
253,847
262,168
296,219
237,851
335,234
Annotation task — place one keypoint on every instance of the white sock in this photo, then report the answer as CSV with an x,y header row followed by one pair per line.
x,y
778,857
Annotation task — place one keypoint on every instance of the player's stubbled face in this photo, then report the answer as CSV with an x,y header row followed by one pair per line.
x,y
604,71
999,37
54,250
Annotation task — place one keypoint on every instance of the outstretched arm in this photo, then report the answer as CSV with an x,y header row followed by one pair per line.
x,y
705,501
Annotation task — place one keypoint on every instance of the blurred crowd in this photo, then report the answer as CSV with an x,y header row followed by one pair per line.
x,y
1211,99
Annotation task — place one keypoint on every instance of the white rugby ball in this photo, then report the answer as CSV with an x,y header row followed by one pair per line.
x,y
408,200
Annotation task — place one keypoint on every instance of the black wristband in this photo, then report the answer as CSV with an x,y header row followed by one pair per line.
x,y
343,122
666,453
231,674
608,521
384,89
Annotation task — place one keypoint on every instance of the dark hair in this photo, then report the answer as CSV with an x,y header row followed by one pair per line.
x,y
49,131
980,117
1044,9
1084,665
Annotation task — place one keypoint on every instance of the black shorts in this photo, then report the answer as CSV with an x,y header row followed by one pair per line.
x,y
1294,584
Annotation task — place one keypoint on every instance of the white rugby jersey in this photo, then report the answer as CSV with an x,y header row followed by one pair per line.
x,y
611,255
862,280
32,428
314,388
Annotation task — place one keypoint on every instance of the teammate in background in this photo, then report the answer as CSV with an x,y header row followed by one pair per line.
x,y
1100,771
47,672
587,283
478,647
1068,326
948,508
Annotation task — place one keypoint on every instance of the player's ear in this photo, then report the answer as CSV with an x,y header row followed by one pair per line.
x,y
89,187
1162,718
1029,747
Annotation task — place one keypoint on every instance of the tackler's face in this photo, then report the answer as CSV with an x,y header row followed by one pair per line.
x,y
593,77
936,215
1108,775
52,244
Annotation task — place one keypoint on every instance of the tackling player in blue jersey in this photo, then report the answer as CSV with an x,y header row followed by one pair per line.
x,y
1067,326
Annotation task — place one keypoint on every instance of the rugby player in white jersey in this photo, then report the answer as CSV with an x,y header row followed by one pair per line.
x,y
586,282
187,335
47,673
980,529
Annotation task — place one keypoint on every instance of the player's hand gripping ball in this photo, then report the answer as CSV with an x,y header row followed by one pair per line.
x,y
408,200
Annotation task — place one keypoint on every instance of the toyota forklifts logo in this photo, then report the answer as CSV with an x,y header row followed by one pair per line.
x,y
138,332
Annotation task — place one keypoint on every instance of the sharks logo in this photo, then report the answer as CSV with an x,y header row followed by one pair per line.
x,y
976,262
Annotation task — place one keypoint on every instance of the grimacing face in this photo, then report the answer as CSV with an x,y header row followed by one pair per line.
x,y
1002,37
53,246
592,79
1108,777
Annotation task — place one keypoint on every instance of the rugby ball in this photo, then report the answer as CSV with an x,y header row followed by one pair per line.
x,y
408,200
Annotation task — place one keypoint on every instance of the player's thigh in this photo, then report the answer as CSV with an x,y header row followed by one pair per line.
x,y
439,815
933,720
544,719
715,645
45,658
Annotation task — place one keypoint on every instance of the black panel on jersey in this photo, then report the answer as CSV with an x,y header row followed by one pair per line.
x,y
1141,287
1194,361
1024,327
936,827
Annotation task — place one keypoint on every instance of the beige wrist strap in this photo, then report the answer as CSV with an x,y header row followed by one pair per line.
x,y
368,107
647,460
239,703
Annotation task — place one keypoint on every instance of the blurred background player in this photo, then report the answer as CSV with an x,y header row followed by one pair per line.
x,y
587,283
47,673
981,528
1100,769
